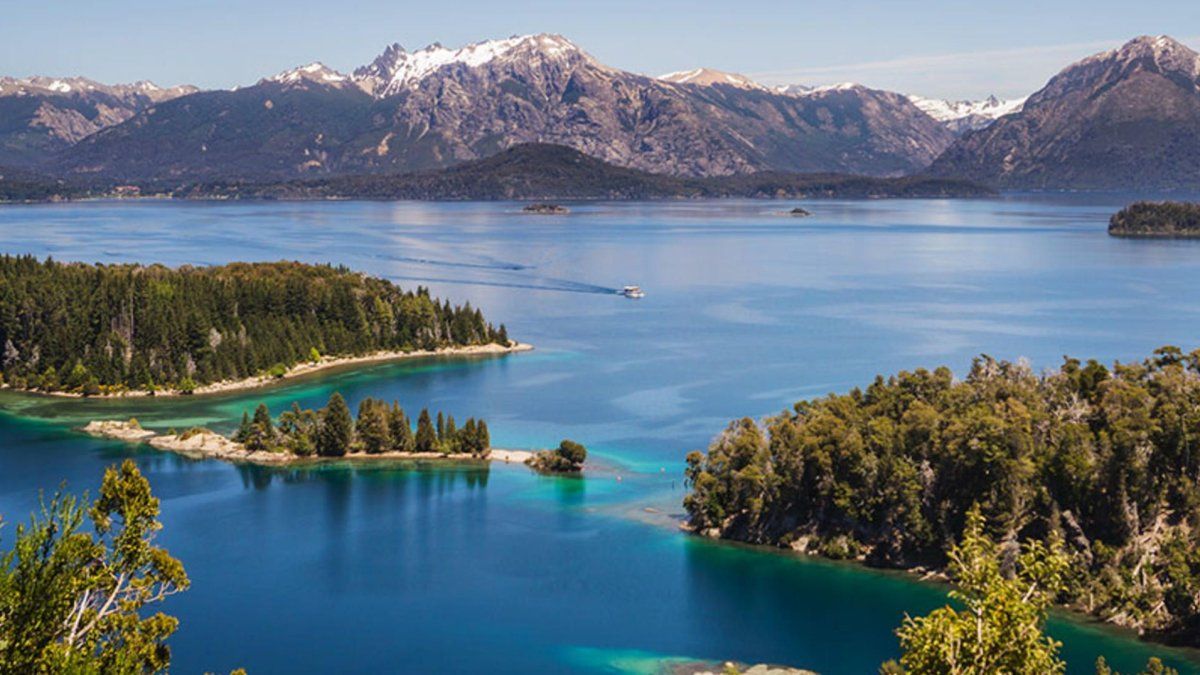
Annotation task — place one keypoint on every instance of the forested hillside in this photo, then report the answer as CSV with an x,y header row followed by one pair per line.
x,y
1107,458
91,328
547,171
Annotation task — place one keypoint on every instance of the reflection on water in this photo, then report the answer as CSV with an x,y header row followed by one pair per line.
x,y
468,567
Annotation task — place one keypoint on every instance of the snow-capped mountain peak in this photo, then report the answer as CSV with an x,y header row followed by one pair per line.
x,y
963,116
805,90
709,77
314,72
39,85
1166,52
396,69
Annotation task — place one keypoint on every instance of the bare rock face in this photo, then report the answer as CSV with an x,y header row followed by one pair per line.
x,y
43,115
1123,119
437,107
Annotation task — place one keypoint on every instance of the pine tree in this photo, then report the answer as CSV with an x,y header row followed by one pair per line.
x,y
244,429
451,441
469,438
485,437
262,429
400,429
372,426
426,440
337,428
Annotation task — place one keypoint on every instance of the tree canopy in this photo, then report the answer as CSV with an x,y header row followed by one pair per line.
x,y
568,457
1156,219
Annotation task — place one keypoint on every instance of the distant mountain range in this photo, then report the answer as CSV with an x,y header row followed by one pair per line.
x,y
40,116
1126,118
437,107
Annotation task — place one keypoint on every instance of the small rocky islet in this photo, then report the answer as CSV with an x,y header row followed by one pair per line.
x,y
546,209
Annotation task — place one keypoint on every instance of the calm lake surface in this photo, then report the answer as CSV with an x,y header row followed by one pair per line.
x,y
469,568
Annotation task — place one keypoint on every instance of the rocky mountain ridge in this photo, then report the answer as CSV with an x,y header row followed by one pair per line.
x,y
43,115
1127,118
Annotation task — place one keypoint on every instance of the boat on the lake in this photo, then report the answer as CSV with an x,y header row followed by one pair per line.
x,y
633,292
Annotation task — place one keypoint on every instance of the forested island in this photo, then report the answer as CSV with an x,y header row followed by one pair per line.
x,y
127,329
1105,459
535,172
1157,219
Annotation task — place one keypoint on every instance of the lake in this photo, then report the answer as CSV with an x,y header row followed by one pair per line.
x,y
468,568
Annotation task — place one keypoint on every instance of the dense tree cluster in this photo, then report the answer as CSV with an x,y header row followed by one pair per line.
x,y
21,185
379,428
88,328
568,457
1156,219
1108,460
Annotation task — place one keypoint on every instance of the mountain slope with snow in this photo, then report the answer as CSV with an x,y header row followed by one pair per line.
x,y
314,73
396,70
963,116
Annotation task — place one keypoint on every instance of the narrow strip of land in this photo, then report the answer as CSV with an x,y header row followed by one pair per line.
x,y
207,444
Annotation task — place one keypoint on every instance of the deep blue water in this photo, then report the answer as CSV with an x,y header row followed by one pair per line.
x,y
456,569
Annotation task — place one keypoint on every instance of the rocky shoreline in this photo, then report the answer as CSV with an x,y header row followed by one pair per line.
x,y
206,444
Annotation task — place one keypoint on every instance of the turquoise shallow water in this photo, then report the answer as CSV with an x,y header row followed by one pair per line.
x,y
462,568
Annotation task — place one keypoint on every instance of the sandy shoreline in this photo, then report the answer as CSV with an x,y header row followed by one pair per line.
x,y
308,368
205,444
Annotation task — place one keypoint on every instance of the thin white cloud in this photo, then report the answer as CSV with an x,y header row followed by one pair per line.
x,y
1005,72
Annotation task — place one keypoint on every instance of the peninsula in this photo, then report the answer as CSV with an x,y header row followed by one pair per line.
x,y
1101,458
127,330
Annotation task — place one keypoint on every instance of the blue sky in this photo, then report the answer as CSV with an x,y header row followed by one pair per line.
x,y
935,48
